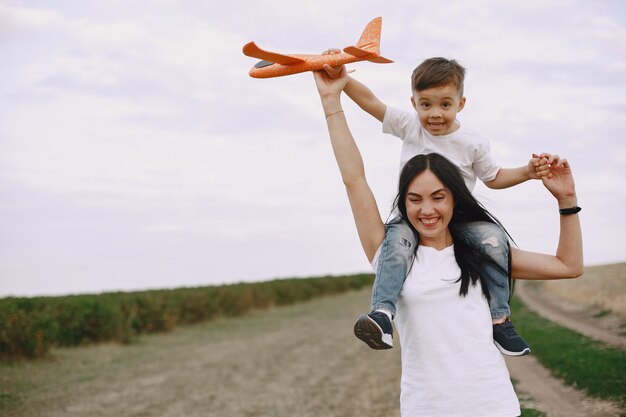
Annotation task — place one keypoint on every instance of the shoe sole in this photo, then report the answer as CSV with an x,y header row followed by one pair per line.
x,y
370,332
524,352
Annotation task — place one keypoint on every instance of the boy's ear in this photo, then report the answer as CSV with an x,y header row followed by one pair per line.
x,y
413,102
461,104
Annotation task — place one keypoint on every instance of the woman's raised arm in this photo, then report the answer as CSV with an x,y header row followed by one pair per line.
x,y
369,224
568,261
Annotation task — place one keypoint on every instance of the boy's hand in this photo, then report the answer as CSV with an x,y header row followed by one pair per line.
x,y
539,166
547,161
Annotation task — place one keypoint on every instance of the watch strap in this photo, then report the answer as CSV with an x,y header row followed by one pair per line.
x,y
571,210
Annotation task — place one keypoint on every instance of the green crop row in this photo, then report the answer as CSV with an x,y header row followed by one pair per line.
x,y
29,327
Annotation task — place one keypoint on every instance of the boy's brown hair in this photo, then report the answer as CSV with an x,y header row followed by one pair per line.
x,y
437,72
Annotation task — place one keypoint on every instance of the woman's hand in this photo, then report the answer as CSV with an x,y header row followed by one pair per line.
x,y
567,262
328,86
560,181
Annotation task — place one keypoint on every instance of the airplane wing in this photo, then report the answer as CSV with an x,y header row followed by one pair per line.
x,y
358,52
250,49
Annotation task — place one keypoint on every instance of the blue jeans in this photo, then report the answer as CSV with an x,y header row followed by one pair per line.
x,y
396,257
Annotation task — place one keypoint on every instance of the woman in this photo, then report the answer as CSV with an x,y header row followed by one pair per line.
x,y
450,366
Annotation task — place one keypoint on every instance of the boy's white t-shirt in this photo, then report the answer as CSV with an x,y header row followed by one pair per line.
x,y
467,149
450,365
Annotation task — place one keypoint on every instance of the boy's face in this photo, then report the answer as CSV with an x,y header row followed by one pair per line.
x,y
437,108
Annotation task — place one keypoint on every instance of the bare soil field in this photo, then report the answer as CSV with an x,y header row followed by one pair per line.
x,y
296,361
594,304
601,288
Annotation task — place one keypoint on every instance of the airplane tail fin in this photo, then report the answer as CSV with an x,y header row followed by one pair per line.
x,y
369,43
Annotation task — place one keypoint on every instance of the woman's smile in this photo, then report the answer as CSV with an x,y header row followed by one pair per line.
x,y
429,222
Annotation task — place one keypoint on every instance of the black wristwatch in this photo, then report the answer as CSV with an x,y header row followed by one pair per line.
x,y
571,210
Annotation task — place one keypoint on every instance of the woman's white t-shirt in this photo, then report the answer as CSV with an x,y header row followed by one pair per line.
x,y
450,365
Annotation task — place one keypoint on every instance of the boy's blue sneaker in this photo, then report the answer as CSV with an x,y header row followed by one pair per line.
x,y
375,329
508,341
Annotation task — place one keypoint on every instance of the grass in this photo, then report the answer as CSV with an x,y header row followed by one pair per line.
x,y
532,413
602,313
7,398
580,361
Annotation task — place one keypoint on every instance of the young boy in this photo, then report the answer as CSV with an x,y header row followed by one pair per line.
x,y
437,97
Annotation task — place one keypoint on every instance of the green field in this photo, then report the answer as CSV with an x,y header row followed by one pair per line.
x,y
295,356
29,327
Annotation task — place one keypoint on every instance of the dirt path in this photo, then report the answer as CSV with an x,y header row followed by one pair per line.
x,y
581,320
551,395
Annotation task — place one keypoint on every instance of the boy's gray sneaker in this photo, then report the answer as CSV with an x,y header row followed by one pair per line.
x,y
508,341
375,329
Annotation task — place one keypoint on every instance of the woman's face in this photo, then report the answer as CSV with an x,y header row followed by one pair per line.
x,y
429,206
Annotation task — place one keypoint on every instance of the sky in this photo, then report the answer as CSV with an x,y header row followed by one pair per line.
x,y
136,152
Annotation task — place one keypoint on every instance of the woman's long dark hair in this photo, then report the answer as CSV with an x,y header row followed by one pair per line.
x,y
466,209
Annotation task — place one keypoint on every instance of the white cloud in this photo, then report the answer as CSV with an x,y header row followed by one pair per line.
x,y
25,18
113,33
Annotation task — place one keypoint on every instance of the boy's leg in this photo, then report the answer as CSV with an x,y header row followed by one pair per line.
x,y
490,239
394,261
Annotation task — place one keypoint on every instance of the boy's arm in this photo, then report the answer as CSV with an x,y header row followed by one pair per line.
x,y
365,99
508,177
357,91
537,167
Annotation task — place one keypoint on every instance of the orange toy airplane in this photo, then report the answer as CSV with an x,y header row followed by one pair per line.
x,y
277,65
